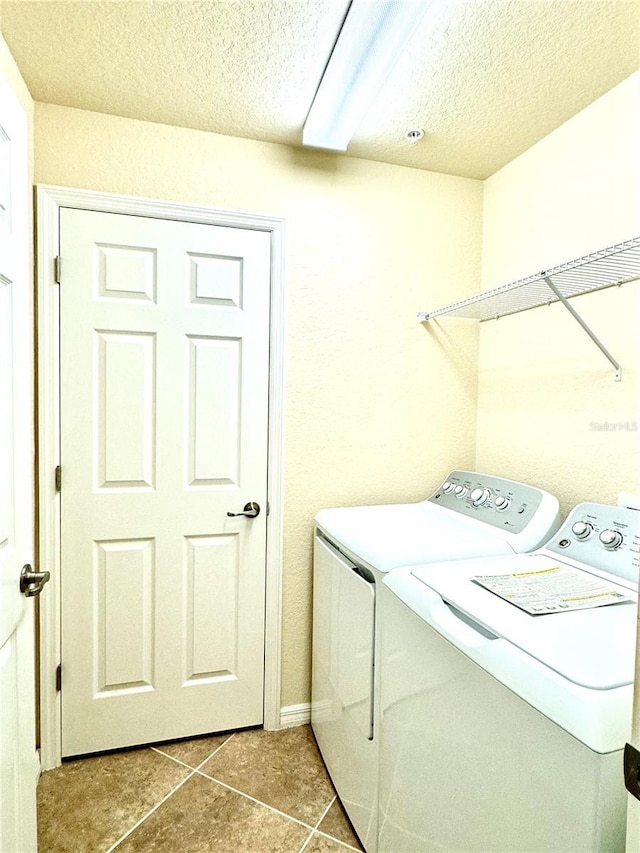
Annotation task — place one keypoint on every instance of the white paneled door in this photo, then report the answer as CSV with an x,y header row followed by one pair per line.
x,y
164,413
18,758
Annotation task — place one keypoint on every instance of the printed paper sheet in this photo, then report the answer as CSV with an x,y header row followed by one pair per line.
x,y
553,590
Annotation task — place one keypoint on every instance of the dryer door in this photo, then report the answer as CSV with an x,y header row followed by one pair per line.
x,y
343,640
342,683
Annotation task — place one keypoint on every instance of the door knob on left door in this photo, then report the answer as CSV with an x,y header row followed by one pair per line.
x,y
31,582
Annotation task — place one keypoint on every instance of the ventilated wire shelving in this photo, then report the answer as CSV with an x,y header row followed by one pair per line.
x,y
609,267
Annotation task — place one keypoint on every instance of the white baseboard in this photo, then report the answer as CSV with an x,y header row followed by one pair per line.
x,y
35,766
295,715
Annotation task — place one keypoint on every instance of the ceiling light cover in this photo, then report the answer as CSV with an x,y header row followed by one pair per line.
x,y
372,39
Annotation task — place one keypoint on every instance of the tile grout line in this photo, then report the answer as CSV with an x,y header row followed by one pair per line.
x,y
326,811
317,831
217,750
337,840
320,819
174,759
313,830
253,800
151,811
204,760
193,771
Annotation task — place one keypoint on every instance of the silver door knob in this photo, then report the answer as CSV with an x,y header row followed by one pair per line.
x,y
31,582
251,510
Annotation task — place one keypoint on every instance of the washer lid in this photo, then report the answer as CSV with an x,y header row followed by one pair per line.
x,y
388,536
594,648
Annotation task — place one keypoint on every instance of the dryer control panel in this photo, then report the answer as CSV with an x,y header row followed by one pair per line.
x,y
605,537
505,504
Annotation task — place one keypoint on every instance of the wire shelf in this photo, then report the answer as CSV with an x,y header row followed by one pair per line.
x,y
609,267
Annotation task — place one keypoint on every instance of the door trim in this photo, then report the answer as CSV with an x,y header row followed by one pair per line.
x,y
49,200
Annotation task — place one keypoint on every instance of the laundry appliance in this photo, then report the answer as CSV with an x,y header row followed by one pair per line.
x,y
506,695
469,515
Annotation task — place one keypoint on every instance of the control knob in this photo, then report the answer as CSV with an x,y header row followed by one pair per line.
x,y
480,496
460,491
582,529
447,487
501,503
611,539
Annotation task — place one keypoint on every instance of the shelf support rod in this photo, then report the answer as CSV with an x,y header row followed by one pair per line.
x,y
618,374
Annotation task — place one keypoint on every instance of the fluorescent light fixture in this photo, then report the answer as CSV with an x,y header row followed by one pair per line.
x,y
373,37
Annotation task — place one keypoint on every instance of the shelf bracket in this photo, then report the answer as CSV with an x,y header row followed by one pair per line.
x,y
618,374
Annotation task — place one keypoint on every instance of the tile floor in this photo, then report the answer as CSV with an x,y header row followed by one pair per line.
x,y
247,792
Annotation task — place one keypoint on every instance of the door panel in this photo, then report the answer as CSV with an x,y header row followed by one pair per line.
x,y
212,563
18,758
164,380
124,635
213,411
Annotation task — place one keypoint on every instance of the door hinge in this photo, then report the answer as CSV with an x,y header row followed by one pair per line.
x,y
58,478
57,263
59,678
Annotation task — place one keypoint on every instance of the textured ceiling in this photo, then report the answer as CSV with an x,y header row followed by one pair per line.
x,y
485,79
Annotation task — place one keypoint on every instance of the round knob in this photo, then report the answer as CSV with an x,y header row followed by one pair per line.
x,y
448,487
502,504
479,496
582,529
611,539
460,491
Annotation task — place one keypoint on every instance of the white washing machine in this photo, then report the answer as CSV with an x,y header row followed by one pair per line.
x,y
469,515
506,695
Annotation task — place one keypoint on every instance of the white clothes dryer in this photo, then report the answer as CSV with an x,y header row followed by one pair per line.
x,y
506,695
469,515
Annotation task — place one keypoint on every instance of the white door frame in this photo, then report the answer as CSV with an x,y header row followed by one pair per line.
x,y
49,200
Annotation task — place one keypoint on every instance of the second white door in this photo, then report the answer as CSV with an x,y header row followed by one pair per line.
x,y
19,766
164,413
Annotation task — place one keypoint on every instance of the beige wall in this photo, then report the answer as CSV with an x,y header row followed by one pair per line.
x,y
542,382
378,408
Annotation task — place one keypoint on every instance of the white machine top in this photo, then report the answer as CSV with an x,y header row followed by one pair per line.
x,y
577,666
469,515
592,647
